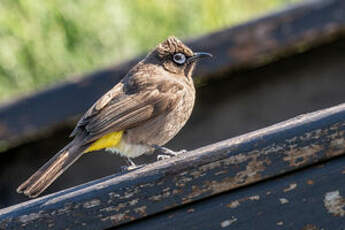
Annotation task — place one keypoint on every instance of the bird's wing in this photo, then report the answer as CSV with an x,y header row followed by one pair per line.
x,y
127,105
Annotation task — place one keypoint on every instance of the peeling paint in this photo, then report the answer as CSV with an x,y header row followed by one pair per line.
x,y
249,174
118,217
233,204
113,195
336,147
141,210
160,196
31,217
133,202
236,203
334,203
228,222
301,156
290,188
191,210
257,197
284,200
194,173
221,172
91,203
280,223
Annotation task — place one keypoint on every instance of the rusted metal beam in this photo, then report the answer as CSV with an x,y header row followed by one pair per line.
x,y
210,170
260,41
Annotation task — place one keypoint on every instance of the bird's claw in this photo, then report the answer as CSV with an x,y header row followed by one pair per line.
x,y
132,166
163,157
125,169
178,152
169,153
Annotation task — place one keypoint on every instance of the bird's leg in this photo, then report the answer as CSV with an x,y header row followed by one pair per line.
x,y
132,164
131,167
167,153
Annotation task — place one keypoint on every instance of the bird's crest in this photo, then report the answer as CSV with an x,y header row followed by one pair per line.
x,y
173,45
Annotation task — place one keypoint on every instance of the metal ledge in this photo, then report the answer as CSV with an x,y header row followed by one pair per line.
x,y
204,172
308,199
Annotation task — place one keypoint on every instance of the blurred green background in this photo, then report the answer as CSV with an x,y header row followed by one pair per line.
x,y
44,42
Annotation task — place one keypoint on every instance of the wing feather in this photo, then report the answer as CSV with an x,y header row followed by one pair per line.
x,y
118,110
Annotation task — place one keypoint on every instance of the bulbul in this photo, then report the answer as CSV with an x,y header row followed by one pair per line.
x,y
138,115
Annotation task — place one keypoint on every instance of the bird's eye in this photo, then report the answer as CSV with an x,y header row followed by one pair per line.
x,y
179,58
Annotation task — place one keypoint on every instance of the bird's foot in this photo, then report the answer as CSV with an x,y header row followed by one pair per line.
x,y
163,157
131,167
167,153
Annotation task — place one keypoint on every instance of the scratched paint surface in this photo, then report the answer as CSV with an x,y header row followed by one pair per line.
x,y
303,200
210,170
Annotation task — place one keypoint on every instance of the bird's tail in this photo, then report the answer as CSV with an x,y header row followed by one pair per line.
x,y
51,170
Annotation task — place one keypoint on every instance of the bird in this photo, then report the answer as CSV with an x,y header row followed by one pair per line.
x,y
140,114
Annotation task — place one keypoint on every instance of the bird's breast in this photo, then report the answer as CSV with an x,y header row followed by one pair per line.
x,y
164,127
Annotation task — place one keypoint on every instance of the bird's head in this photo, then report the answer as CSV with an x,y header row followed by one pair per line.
x,y
176,57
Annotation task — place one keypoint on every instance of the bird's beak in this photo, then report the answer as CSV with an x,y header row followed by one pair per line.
x,y
197,56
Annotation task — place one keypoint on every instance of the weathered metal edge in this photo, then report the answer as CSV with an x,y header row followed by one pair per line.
x,y
206,171
259,41
309,199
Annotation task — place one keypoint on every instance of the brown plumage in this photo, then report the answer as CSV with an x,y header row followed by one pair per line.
x,y
149,106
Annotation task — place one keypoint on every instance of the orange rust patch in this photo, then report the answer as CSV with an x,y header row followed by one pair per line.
x,y
310,182
310,227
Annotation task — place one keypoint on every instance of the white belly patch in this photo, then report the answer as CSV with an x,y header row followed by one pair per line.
x,y
130,150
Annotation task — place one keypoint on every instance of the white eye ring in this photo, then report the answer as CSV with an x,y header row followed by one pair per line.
x,y
179,58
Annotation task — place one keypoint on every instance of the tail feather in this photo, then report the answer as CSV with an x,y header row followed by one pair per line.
x,y
51,170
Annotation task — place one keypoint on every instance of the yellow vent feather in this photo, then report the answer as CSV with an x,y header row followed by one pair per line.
x,y
107,141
